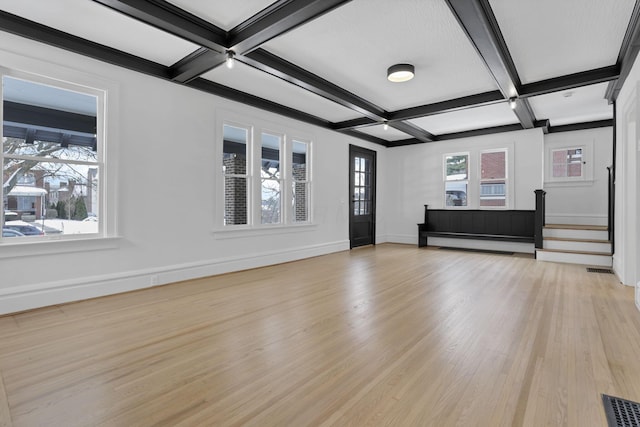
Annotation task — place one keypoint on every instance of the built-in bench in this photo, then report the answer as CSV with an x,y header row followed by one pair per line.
x,y
498,225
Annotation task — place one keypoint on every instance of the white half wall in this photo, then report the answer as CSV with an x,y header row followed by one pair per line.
x,y
163,157
417,177
584,202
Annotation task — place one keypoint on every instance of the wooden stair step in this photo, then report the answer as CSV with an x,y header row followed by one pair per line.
x,y
577,227
575,252
567,239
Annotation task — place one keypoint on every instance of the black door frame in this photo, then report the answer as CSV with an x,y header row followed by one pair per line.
x,y
353,150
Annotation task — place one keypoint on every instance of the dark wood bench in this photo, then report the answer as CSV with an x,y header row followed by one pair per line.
x,y
500,225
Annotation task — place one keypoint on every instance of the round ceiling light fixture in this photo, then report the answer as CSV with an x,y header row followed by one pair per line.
x,y
400,73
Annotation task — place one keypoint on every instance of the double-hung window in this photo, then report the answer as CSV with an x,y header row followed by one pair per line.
x,y
52,163
300,180
456,179
235,161
271,179
493,178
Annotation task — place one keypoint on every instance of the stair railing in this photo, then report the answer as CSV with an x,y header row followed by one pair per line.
x,y
539,220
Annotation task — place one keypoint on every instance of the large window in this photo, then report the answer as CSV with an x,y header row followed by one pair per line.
x,y
275,189
493,179
456,179
567,163
51,158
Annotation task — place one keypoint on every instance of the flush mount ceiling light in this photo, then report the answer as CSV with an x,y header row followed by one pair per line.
x,y
400,73
512,103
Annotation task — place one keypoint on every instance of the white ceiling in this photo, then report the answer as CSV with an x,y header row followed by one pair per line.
x,y
97,23
248,79
368,36
352,45
548,38
468,119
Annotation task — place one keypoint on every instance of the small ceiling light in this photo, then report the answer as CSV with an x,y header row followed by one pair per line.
x,y
385,126
400,73
230,59
512,103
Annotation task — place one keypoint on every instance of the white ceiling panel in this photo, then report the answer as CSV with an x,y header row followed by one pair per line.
x,y
225,14
248,79
551,38
468,119
583,104
390,134
353,46
102,25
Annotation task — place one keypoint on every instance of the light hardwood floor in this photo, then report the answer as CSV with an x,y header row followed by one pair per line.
x,y
388,335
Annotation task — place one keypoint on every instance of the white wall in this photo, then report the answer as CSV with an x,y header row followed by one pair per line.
x,y
416,176
162,142
626,259
584,202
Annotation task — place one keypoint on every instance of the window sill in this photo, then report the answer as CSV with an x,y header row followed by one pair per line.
x,y
576,183
29,248
233,232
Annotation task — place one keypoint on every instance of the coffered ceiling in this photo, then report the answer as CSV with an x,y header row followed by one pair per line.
x,y
325,61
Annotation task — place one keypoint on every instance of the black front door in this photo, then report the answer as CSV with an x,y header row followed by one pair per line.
x,y
362,194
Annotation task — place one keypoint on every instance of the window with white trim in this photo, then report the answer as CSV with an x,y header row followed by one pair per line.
x,y
456,179
273,190
493,178
567,162
300,180
52,145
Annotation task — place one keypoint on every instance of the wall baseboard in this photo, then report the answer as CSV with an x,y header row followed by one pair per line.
x,y
577,219
21,298
407,239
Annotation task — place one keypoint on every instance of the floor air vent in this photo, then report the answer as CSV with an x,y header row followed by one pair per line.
x,y
599,270
621,412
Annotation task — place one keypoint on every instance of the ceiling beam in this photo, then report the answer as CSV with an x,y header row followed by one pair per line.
x,y
171,19
465,102
365,137
627,55
277,19
191,66
41,33
570,81
581,126
278,67
478,132
355,123
479,23
413,130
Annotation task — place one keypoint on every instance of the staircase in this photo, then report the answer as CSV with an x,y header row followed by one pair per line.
x,y
576,244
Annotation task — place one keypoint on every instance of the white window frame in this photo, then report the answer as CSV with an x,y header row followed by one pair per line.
x,y
506,178
587,163
467,180
106,92
281,181
247,175
254,208
292,181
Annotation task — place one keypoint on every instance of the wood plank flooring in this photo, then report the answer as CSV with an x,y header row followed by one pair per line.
x,y
390,335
